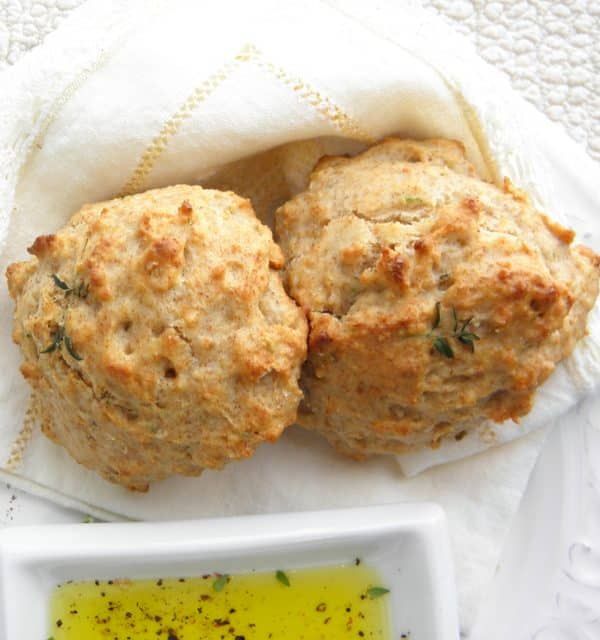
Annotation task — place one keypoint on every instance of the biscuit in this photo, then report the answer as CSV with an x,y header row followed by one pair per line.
x,y
157,334
435,300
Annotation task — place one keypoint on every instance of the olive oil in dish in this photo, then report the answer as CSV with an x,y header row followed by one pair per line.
x,y
306,604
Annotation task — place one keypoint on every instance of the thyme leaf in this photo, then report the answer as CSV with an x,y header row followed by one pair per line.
x,y
376,592
60,337
436,316
56,340
443,346
221,581
460,332
465,324
81,290
69,346
282,577
413,201
61,284
468,339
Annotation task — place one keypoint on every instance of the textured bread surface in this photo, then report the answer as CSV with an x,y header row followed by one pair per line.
x,y
157,335
435,300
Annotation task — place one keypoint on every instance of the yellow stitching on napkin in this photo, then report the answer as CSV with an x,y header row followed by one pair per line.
x,y
324,106
22,440
76,84
321,103
67,94
173,124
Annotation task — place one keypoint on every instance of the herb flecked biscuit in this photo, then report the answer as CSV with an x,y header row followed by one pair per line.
x,y
157,334
435,300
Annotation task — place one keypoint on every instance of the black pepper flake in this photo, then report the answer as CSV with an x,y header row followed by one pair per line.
x,y
159,583
327,620
172,636
240,638
321,607
220,622
59,623
357,561
231,610
361,634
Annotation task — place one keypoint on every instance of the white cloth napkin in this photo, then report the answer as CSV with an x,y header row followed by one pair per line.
x,y
131,95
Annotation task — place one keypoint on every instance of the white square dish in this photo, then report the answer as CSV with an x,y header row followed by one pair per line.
x,y
406,543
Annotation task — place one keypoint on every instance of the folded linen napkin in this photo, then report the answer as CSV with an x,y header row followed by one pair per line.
x,y
131,95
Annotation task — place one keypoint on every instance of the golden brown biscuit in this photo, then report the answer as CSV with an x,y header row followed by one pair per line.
x,y
435,300
157,334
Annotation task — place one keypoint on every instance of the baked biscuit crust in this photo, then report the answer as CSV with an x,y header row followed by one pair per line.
x,y
435,300
157,334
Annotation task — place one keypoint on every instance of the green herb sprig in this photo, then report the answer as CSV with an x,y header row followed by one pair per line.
x,y
413,201
442,346
282,577
460,332
69,347
81,290
61,284
221,582
467,337
56,340
376,592
61,338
